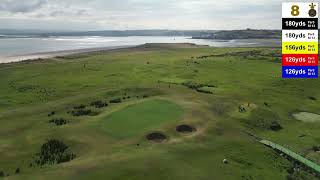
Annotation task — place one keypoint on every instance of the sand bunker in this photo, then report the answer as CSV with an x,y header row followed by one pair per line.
x,y
156,137
307,117
185,129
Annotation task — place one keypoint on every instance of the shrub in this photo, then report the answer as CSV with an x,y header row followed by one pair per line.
x,y
54,152
264,119
17,170
192,85
99,104
117,100
204,91
51,114
79,107
2,174
275,126
145,96
81,112
59,122
316,148
312,98
266,104
196,86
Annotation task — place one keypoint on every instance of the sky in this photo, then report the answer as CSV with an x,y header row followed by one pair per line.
x,y
140,14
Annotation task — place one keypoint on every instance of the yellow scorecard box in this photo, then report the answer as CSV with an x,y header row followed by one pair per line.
x,y
300,48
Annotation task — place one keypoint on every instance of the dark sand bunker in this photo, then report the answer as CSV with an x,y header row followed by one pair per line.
x,y
185,129
156,137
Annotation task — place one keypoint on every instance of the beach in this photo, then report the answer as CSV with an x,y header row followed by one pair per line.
x,y
45,55
21,49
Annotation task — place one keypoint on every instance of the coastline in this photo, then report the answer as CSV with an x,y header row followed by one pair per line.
x,y
52,54
245,43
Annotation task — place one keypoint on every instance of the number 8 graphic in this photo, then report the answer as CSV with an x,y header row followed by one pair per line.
x,y
295,10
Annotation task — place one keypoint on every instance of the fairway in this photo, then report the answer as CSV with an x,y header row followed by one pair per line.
x,y
140,118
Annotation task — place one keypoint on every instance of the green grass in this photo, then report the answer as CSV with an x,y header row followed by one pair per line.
x,y
152,76
138,119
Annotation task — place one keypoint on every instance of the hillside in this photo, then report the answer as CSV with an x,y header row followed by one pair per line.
x,y
241,34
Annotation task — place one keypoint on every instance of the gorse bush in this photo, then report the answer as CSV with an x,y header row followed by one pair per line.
x,y
51,114
81,112
264,119
117,100
312,98
198,87
99,104
54,152
58,122
204,91
275,126
82,106
17,171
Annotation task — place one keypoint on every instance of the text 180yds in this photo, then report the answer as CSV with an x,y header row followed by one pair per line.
x,y
300,23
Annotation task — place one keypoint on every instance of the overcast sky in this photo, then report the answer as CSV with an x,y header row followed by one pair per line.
x,y
139,14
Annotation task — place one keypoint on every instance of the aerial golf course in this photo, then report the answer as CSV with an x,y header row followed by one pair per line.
x,y
157,111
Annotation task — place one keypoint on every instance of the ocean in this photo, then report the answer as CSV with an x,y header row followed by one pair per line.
x,y
14,48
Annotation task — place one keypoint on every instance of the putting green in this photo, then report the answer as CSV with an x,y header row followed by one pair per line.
x,y
140,118
307,117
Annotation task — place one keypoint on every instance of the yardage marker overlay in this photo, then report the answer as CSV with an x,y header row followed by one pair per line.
x,y
300,40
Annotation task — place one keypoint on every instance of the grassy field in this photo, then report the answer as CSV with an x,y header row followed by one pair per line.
x,y
222,92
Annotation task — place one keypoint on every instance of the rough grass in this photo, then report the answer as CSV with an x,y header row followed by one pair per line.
x,y
31,90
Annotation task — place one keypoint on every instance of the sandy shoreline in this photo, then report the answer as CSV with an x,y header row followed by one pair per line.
x,y
44,55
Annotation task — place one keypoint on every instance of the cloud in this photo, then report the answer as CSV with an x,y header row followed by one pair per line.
x,y
68,13
82,12
143,14
57,13
18,6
